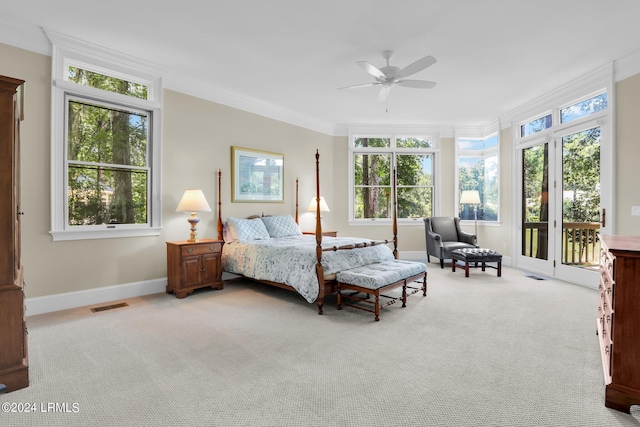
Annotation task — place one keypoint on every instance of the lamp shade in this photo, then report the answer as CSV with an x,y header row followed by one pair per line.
x,y
470,197
193,201
313,205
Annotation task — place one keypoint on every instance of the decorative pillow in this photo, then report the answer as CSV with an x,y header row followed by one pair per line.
x,y
247,229
226,232
281,226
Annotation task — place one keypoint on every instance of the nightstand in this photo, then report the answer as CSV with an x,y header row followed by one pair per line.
x,y
194,265
324,233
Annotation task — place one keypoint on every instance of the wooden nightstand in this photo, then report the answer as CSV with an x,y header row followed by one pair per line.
x,y
193,265
324,233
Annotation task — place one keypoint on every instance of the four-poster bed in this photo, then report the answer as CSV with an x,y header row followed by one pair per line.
x,y
315,260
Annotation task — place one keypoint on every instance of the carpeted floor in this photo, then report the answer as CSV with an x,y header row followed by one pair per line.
x,y
477,351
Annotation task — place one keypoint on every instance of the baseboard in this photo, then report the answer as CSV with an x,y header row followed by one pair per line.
x,y
64,301
67,300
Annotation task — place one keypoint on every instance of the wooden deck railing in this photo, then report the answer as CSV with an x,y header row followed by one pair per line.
x,y
581,242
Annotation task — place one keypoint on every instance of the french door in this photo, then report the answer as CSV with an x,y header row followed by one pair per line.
x,y
565,194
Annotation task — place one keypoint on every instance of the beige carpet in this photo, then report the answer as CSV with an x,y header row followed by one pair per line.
x,y
482,351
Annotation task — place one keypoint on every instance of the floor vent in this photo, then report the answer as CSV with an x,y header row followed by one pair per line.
x,y
109,307
535,277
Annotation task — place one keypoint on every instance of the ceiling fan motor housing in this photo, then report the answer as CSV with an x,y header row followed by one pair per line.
x,y
390,71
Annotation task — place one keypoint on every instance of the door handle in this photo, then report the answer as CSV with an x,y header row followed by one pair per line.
x,y
603,221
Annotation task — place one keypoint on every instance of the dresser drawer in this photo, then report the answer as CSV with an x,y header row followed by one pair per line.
x,y
608,264
606,348
201,249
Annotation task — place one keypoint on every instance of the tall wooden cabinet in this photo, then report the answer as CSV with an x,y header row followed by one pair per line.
x,y
14,368
619,320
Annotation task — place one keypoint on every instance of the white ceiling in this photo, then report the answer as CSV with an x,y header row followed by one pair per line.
x,y
290,56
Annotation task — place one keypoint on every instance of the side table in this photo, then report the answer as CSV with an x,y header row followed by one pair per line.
x,y
192,266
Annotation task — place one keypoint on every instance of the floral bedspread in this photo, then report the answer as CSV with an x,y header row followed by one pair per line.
x,y
292,260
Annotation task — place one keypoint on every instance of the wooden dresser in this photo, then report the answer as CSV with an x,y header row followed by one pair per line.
x,y
194,265
14,367
619,320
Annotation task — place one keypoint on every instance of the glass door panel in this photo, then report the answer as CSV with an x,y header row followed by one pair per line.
x,y
579,240
535,202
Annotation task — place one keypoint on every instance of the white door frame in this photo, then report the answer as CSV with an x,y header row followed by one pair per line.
x,y
553,137
581,276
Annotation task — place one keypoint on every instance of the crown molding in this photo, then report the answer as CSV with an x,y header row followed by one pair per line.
x,y
626,66
30,37
596,80
399,129
17,33
204,90
64,42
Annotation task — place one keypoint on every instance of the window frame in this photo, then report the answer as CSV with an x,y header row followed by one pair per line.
x,y
484,154
393,133
67,51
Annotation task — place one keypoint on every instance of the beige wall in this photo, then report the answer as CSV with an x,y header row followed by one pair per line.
x,y
197,136
197,140
627,156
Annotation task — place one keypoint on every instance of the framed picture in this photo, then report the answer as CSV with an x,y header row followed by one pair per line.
x,y
256,176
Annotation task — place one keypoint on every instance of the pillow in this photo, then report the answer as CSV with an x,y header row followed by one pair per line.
x,y
281,226
245,230
226,232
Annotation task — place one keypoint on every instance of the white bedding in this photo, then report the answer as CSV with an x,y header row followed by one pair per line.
x,y
292,260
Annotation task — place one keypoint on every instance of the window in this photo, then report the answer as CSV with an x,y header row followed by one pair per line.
x,y
373,159
106,112
583,108
535,126
107,170
478,169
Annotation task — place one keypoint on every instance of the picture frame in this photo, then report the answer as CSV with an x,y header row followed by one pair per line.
x,y
256,176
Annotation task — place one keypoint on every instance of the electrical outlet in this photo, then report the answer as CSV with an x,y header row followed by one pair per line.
x,y
635,210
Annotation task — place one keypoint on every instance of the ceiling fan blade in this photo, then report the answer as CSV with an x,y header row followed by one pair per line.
x,y
419,65
418,84
357,86
384,93
371,69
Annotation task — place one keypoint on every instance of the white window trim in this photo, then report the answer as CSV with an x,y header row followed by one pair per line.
x,y
488,152
598,81
65,51
393,132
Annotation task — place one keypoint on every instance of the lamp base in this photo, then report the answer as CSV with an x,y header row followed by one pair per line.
x,y
193,220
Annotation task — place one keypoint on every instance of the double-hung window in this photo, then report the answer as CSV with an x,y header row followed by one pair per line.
x,y
478,170
373,159
106,120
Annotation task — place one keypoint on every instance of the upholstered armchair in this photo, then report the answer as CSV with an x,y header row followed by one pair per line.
x,y
443,235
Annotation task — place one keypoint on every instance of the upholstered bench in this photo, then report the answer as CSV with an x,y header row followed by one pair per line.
x,y
478,256
373,279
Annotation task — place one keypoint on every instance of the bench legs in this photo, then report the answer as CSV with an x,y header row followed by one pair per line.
x,y
377,293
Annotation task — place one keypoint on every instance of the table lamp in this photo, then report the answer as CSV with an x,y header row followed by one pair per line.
x,y
313,205
193,201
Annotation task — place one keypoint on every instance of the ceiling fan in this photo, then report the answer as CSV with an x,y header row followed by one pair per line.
x,y
390,76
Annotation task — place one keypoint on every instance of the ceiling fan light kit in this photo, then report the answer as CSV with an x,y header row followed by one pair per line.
x,y
389,75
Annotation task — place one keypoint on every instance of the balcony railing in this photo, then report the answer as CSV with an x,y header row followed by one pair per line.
x,y
580,241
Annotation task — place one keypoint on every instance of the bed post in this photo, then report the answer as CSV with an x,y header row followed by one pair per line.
x,y
219,206
297,202
319,268
395,215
